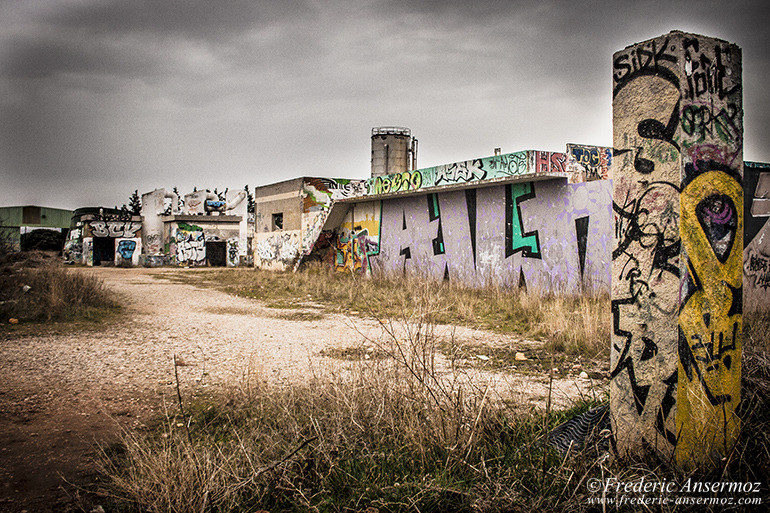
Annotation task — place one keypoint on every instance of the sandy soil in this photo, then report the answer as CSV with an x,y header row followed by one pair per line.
x,y
61,394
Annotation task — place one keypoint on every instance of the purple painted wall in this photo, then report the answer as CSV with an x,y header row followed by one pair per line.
x,y
556,235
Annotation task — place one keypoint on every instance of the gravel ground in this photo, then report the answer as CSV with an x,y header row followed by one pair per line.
x,y
60,393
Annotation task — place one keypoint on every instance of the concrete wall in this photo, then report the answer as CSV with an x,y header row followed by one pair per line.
x,y
676,273
487,168
548,235
304,204
756,252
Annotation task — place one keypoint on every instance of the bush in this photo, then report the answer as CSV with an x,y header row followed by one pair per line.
x,y
33,288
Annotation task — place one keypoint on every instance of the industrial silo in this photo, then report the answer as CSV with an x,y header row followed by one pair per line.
x,y
393,150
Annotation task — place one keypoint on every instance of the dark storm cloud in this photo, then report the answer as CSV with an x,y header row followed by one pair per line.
x,y
194,19
99,98
34,58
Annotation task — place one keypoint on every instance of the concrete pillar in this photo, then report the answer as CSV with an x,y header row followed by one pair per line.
x,y
678,239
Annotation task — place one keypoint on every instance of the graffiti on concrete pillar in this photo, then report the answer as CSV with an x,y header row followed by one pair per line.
x,y
711,309
676,273
645,260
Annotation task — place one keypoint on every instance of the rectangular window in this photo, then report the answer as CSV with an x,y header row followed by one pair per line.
x,y
277,222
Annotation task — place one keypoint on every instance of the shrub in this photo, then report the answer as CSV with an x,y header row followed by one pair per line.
x,y
33,288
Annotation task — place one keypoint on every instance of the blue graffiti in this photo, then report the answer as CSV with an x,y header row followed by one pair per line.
x,y
126,248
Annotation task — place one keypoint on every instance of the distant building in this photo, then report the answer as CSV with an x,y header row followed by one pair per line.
x,y
14,221
206,231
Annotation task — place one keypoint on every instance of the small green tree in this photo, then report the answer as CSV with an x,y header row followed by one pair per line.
x,y
135,203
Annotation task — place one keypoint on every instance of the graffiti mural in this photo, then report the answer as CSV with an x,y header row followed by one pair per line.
x,y
756,253
278,248
233,258
115,229
549,236
88,250
676,263
153,243
318,193
126,249
190,244
353,253
73,247
588,163
499,166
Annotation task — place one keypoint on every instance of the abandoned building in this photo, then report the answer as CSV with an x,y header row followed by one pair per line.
x,y
16,222
290,215
103,236
529,218
204,231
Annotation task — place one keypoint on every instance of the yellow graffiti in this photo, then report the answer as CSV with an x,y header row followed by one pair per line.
x,y
709,374
351,255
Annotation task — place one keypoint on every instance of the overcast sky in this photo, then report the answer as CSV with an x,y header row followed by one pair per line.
x,y
101,97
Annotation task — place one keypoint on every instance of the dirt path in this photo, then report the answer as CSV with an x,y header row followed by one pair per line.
x,y
60,393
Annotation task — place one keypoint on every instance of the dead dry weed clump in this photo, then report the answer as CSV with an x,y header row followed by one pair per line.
x,y
35,287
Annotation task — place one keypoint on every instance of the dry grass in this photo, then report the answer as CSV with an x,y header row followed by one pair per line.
x,y
406,431
35,287
577,324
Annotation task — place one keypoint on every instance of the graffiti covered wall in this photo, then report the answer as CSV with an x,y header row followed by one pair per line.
x,y
549,235
488,168
318,194
277,250
358,238
678,225
756,252
189,244
588,163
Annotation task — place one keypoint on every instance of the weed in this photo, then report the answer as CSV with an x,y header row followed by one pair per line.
x,y
38,289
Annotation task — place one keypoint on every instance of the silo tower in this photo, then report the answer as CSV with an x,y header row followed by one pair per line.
x,y
394,150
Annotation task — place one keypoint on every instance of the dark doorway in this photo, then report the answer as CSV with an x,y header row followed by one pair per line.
x,y
216,253
104,250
